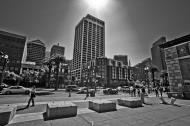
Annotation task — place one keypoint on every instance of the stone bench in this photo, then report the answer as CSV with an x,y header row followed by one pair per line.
x,y
57,110
175,94
7,112
102,105
130,102
186,95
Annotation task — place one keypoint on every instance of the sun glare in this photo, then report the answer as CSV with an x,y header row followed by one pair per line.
x,y
97,4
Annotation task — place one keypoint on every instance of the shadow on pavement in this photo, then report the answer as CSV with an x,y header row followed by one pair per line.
x,y
22,108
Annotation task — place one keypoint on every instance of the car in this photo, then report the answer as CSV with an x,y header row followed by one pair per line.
x,y
108,91
3,85
16,90
72,88
125,89
83,90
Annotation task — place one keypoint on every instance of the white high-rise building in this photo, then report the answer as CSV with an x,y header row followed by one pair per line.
x,y
89,42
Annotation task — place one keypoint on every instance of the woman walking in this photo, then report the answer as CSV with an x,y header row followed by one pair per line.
x,y
32,96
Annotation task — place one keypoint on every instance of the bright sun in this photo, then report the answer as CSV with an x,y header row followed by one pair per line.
x,y
97,4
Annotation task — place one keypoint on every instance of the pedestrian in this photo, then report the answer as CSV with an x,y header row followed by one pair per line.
x,y
156,91
142,94
143,90
134,91
139,92
131,90
32,96
87,94
69,92
161,90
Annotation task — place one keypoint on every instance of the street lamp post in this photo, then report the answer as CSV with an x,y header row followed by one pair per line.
x,y
4,59
147,80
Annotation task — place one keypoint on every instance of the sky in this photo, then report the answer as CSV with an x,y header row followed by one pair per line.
x,y
131,26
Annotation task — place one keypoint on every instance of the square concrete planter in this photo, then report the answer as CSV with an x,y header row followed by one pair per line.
x,y
6,114
130,102
102,106
61,110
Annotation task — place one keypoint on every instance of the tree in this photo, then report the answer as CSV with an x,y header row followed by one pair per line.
x,y
153,69
57,60
49,64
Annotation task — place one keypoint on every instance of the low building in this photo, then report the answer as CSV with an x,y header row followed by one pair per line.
x,y
104,72
177,53
12,45
139,70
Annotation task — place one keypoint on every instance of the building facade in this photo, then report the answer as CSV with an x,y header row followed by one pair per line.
x,y
104,72
89,43
177,53
139,70
36,52
123,58
158,56
12,45
57,50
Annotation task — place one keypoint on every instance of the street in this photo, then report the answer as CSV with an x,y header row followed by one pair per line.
x,y
60,95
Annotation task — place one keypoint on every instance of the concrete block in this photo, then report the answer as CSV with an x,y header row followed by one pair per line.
x,y
22,118
7,112
102,105
61,110
130,102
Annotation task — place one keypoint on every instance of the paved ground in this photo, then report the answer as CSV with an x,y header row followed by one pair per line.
x,y
151,114
148,115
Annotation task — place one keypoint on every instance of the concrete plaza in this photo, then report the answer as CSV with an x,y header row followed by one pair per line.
x,y
151,114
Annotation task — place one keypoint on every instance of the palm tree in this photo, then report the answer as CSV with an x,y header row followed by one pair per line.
x,y
153,69
58,60
49,63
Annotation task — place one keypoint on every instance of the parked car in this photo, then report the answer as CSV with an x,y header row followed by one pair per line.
x,y
72,88
16,90
125,89
3,85
110,91
83,90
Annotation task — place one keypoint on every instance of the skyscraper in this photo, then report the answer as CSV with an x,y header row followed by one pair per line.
x,y
35,51
89,42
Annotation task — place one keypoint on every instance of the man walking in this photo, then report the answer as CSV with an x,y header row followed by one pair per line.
x,y
161,90
32,96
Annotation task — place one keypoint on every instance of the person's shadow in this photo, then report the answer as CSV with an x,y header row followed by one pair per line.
x,y
22,108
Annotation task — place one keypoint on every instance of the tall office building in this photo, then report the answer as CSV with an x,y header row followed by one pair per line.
x,y
57,50
123,58
89,42
35,51
12,45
